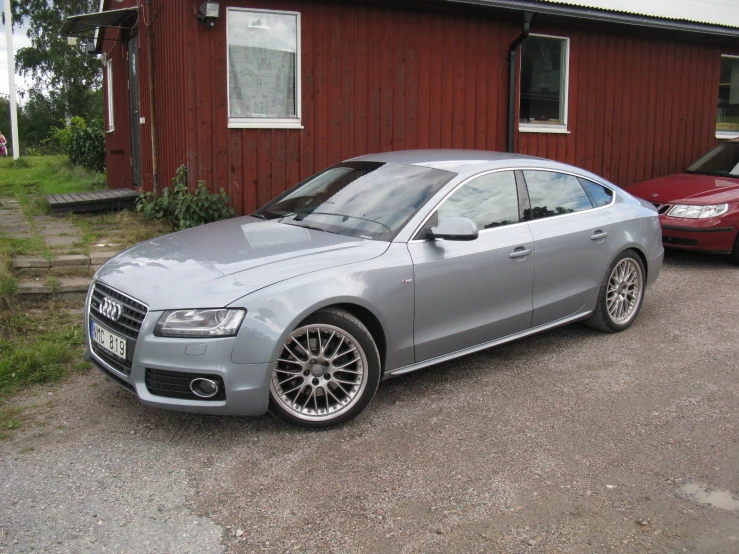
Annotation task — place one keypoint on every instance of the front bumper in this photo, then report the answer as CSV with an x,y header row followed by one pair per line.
x,y
699,235
246,385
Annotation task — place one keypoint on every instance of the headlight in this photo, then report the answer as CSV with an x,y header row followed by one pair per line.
x,y
698,212
200,323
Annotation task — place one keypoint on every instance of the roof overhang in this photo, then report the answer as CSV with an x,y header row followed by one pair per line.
x,y
607,16
124,18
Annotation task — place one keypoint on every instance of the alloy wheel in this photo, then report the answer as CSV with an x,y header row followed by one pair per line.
x,y
625,287
321,372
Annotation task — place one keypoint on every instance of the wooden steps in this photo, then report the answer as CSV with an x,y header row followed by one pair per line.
x,y
96,201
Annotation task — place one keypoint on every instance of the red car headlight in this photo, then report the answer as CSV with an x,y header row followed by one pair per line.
x,y
697,212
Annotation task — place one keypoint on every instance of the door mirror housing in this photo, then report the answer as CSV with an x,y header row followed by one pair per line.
x,y
454,228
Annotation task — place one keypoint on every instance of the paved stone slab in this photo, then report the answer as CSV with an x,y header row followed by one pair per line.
x,y
99,258
71,259
62,285
27,262
62,240
50,230
20,235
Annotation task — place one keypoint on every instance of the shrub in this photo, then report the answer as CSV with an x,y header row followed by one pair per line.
x,y
60,139
20,163
182,208
87,146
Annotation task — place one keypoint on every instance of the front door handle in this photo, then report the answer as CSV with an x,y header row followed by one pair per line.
x,y
520,252
598,235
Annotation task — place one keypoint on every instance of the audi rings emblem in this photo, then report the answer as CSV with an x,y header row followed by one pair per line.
x,y
110,309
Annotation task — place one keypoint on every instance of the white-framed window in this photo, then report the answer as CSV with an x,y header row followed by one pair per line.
x,y
544,84
727,112
263,69
111,111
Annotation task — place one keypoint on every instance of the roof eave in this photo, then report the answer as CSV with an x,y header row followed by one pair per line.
x,y
606,16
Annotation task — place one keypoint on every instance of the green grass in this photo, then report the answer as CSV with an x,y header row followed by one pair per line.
x,y
36,347
42,175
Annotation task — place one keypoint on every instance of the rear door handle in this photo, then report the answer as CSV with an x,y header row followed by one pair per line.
x,y
520,252
598,235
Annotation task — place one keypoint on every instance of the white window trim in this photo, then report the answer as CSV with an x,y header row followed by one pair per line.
x,y
109,92
265,123
554,129
725,135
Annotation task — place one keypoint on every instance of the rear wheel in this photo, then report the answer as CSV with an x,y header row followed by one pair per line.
x,y
621,294
326,373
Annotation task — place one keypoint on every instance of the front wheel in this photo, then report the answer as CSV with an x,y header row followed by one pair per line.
x,y
326,373
734,254
621,294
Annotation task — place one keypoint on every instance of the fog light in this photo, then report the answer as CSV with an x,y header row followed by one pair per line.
x,y
203,388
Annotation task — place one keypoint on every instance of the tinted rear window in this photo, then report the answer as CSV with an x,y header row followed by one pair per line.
x,y
600,195
554,193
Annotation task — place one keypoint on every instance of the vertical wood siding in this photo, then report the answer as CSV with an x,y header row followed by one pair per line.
x,y
640,106
389,76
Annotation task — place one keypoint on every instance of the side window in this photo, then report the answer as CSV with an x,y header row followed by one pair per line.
x,y
599,195
489,200
554,193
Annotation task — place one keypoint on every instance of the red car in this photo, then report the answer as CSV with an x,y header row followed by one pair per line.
x,y
699,208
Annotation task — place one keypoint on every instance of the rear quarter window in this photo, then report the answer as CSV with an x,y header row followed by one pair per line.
x,y
599,195
553,193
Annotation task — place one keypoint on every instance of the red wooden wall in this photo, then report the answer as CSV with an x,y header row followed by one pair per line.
x,y
382,76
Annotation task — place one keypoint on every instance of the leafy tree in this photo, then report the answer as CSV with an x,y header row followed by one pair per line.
x,y
54,65
5,116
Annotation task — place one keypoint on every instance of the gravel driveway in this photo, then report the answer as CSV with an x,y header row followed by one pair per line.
x,y
571,441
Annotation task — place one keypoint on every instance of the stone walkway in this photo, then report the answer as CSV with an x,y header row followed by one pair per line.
x,y
13,223
58,234
66,273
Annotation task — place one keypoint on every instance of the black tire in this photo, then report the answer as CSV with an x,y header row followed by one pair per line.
x,y
734,255
355,384
601,318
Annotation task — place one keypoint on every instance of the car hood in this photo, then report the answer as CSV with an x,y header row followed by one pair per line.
x,y
216,264
700,189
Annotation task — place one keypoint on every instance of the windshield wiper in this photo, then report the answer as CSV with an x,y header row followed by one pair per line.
x,y
346,216
311,227
258,216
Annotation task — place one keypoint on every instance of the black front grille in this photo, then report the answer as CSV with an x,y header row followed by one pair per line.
x,y
678,241
662,208
128,325
119,364
132,312
113,377
176,384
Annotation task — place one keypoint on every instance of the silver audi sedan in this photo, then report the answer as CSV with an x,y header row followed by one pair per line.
x,y
375,267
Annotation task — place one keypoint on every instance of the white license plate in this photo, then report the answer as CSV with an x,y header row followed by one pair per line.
x,y
109,341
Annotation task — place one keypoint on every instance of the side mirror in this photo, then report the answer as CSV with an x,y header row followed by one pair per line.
x,y
454,228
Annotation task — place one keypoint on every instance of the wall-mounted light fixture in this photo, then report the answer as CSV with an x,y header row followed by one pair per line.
x,y
209,12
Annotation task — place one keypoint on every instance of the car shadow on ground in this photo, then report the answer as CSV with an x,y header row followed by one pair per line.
x,y
515,359
697,260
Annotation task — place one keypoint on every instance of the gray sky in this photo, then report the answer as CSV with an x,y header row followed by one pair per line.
x,y
19,41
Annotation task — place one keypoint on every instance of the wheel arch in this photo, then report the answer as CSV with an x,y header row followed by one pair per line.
x,y
368,319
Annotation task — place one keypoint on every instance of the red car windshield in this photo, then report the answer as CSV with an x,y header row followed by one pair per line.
x,y
722,160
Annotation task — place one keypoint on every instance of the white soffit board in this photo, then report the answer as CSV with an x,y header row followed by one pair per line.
x,y
712,12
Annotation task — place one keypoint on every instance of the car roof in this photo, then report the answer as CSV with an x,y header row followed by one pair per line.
x,y
465,162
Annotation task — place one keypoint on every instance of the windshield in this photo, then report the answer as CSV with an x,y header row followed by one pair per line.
x,y
371,200
722,160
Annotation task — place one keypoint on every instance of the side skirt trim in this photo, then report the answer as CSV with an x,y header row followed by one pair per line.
x,y
472,349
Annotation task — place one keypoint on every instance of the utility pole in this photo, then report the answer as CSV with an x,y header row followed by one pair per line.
x,y
11,78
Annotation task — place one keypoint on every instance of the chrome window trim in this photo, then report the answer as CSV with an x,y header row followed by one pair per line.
x,y
514,169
